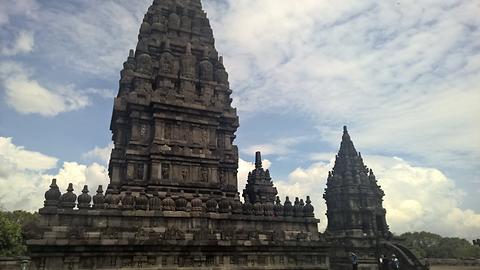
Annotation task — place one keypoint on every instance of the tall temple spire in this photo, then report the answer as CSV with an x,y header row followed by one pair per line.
x,y
173,124
346,146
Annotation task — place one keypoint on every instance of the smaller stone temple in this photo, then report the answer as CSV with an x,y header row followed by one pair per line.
x,y
353,196
259,186
356,216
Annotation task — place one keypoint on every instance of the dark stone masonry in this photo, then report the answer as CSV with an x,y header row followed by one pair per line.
x,y
173,200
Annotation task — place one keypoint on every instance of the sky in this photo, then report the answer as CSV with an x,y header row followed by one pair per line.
x,y
402,75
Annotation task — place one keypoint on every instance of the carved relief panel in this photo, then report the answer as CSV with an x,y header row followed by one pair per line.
x,y
165,171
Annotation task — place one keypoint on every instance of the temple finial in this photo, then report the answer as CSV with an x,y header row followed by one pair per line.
x,y
258,160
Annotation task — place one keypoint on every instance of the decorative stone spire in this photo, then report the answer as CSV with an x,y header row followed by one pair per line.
x,y
354,200
196,203
224,205
212,205
278,208
128,201
99,199
288,207
52,196
181,202
168,204
258,160
259,184
68,199
308,209
84,199
155,203
141,201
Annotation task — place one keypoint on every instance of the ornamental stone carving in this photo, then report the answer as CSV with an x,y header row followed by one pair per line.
x,y
99,199
68,199
84,199
52,196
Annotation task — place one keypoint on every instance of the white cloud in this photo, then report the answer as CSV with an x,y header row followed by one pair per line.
x,y
23,44
100,43
280,146
403,75
80,175
24,176
104,93
16,8
27,96
101,154
416,198
23,159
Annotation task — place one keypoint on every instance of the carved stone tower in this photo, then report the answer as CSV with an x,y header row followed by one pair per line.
x,y
353,197
173,124
259,186
173,201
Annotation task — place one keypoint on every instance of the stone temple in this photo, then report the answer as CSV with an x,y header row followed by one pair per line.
x,y
173,200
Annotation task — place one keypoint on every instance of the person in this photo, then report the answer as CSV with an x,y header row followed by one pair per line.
x,y
384,262
354,260
395,262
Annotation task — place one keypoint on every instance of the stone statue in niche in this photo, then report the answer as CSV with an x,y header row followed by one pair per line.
x,y
165,171
204,137
206,67
168,62
188,63
140,171
221,177
184,174
186,23
204,174
174,21
144,64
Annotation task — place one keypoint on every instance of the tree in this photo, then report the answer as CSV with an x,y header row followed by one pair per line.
x,y
425,244
15,227
11,240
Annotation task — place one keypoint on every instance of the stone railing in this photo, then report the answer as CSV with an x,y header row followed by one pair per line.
x,y
127,200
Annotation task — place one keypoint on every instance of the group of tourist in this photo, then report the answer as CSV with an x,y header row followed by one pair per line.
x,y
384,261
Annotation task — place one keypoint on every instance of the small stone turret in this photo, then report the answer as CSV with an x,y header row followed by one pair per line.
x,y
168,204
68,199
308,209
181,203
141,201
259,184
196,203
278,208
154,203
99,199
52,196
288,207
128,201
84,199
